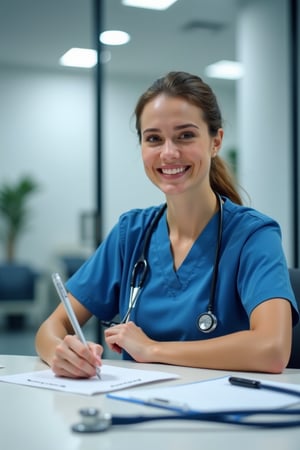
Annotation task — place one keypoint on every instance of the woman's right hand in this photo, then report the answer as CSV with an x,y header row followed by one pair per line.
x,y
73,359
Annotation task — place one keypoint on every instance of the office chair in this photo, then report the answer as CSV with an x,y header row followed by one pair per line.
x,y
294,361
22,292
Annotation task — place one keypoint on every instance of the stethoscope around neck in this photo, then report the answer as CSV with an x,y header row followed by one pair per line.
x,y
140,268
207,321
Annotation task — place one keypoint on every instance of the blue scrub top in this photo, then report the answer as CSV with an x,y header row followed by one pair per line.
x,y
252,269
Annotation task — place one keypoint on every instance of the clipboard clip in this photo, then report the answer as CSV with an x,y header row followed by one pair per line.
x,y
167,404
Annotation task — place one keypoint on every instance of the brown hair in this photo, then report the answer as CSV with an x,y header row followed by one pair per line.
x,y
195,91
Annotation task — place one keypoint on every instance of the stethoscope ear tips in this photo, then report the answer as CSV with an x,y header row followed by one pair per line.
x,y
92,421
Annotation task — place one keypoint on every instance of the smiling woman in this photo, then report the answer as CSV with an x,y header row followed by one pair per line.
x,y
216,292
174,115
46,97
176,145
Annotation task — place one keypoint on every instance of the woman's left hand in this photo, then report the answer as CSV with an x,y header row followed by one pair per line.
x,y
130,338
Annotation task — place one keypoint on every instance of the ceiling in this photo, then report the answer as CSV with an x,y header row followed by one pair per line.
x,y
188,36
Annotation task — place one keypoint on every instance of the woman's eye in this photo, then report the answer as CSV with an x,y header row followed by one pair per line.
x,y
153,139
186,135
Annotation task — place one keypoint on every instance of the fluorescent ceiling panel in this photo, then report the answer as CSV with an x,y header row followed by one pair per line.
x,y
229,70
149,4
79,57
114,37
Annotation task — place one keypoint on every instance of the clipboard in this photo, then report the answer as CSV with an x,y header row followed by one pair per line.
x,y
213,395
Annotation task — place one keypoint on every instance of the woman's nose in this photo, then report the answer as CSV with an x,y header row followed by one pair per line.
x,y
169,150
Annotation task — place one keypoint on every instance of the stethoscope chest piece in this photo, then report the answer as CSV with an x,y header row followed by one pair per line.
x,y
207,322
92,421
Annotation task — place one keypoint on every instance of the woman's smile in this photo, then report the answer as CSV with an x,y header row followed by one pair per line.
x,y
173,171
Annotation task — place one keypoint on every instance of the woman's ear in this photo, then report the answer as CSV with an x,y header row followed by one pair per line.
x,y
217,142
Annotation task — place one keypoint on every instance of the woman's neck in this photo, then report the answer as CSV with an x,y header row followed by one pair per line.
x,y
187,217
186,221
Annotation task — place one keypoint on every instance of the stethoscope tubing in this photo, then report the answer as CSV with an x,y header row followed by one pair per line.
x,y
140,269
236,417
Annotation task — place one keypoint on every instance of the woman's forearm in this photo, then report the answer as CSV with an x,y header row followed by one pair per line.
x,y
242,351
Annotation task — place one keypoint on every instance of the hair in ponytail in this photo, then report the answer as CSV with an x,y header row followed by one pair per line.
x,y
222,181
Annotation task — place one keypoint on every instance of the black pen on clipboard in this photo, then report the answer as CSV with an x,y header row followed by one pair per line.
x,y
255,384
60,288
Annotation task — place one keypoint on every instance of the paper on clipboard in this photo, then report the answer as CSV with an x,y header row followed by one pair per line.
x,y
209,396
113,378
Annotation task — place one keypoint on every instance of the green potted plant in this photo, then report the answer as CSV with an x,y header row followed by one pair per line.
x,y
14,212
17,281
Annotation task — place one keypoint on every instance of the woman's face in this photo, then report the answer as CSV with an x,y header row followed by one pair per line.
x,y
176,145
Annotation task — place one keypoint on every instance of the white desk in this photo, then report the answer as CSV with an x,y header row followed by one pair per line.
x,y
40,419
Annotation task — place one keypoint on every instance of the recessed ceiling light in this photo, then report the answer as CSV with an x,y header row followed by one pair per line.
x,y
79,57
114,37
229,70
149,4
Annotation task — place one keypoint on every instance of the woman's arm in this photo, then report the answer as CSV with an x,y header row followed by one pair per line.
x,y
264,348
61,350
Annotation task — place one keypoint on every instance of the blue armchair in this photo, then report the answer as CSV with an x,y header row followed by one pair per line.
x,y
22,292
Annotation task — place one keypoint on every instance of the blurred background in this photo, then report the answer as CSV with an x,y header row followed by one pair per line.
x,y
69,158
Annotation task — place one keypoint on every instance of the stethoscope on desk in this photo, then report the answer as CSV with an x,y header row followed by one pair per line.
x,y
92,421
207,321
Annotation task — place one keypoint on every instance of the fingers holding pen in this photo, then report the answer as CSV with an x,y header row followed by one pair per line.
x,y
74,359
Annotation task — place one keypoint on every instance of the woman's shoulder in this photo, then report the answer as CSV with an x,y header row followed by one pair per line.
x,y
243,213
138,218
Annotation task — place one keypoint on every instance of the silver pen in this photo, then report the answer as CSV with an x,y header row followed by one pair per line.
x,y
60,288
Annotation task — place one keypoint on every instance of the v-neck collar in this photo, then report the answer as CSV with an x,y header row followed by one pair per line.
x,y
200,257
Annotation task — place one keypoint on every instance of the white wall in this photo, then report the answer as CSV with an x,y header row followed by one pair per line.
x,y
264,110
47,129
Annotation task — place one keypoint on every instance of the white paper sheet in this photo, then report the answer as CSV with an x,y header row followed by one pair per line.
x,y
210,395
113,378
